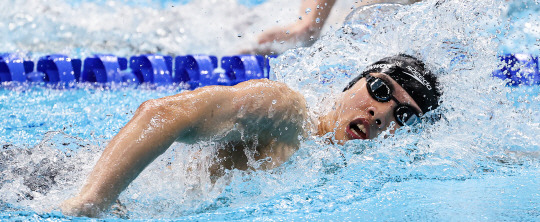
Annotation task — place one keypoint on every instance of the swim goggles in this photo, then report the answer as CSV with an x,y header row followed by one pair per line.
x,y
382,92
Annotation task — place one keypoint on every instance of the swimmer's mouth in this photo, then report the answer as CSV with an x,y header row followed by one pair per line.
x,y
358,129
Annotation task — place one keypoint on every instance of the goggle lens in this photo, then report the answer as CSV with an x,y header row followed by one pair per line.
x,y
380,91
406,116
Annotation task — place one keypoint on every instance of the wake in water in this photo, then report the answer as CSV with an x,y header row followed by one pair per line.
x,y
32,178
488,130
82,28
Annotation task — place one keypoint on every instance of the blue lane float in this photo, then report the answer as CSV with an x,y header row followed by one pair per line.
x,y
156,69
59,69
28,66
193,70
13,68
519,69
102,69
241,68
244,67
197,71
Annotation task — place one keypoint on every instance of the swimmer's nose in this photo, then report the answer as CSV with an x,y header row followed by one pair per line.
x,y
378,117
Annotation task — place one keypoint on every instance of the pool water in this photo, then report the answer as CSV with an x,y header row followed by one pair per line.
x,y
480,163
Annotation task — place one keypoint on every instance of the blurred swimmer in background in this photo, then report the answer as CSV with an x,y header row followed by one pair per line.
x,y
313,15
260,115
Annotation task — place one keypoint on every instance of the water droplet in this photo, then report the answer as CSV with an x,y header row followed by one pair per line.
x,y
308,10
274,102
318,20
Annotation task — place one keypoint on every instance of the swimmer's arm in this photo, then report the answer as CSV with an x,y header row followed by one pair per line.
x,y
305,27
308,28
187,117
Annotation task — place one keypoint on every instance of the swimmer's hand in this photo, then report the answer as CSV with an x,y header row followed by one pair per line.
x,y
78,207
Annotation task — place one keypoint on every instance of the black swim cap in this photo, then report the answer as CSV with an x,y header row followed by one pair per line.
x,y
412,75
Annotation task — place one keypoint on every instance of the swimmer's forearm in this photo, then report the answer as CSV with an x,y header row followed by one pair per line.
x,y
312,16
128,153
372,2
154,127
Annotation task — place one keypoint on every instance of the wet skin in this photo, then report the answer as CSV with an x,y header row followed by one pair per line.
x,y
261,114
357,115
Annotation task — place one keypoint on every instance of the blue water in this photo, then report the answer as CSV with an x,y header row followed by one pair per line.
x,y
480,163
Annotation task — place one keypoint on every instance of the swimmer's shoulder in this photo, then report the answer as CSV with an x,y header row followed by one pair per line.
x,y
271,88
273,93
280,114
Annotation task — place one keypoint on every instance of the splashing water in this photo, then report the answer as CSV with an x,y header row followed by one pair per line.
x,y
81,28
478,163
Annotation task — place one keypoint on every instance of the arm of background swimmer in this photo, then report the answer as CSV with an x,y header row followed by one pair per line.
x,y
187,117
303,28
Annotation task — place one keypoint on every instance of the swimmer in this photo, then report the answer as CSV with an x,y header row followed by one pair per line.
x,y
260,114
313,14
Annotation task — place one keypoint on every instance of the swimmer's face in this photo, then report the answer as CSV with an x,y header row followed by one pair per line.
x,y
359,116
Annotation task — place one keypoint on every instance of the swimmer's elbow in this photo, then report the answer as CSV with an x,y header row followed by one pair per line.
x,y
152,106
150,110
